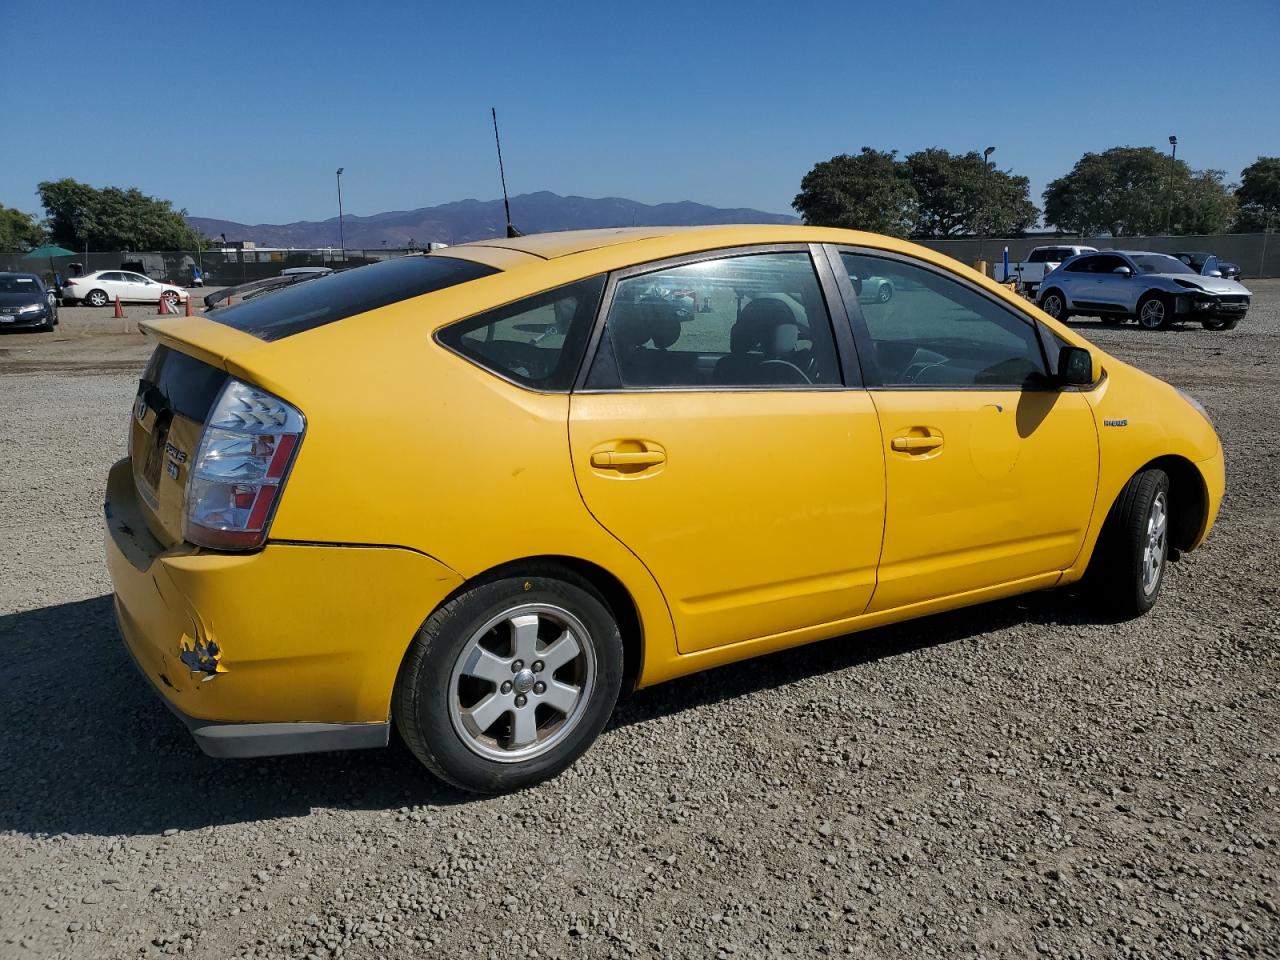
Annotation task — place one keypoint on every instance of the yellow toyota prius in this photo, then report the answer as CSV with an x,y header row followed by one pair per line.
x,y
481,492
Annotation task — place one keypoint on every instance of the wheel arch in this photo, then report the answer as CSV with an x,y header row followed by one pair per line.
x,y
1188,500
606,583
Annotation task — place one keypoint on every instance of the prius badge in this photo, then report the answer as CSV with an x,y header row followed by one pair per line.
x,y
1115,423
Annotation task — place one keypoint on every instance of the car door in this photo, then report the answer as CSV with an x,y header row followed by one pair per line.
x,y
142,289
1112,290
990,470
112,283
721,435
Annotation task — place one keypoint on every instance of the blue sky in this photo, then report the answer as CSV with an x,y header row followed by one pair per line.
x,y
244,110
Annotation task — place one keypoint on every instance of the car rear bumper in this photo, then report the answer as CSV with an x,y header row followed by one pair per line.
x,y
290,649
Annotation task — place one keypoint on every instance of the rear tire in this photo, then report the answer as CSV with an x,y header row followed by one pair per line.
x,y
170,298
1155,312
1054,303
511,681
1132,553
97,298
1220,324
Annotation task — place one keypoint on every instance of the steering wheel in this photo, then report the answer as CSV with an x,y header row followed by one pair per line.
x,y
785,372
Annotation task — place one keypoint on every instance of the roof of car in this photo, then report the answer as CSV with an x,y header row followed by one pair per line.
x,y
548,246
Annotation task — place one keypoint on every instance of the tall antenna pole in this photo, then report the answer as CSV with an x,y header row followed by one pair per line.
x,y
506,204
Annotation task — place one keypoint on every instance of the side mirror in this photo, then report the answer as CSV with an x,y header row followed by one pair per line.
x,y
1123,271
1214,273
1075,367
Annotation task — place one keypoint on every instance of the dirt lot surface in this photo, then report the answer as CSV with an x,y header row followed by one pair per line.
x,y
1012,780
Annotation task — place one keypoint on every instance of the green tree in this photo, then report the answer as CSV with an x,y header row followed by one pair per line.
x,y
867,191
113,218
19,231
961,195
1204,204
1259,195
1132,191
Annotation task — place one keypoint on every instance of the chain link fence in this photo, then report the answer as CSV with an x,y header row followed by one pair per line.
x,y
221,267
1258,255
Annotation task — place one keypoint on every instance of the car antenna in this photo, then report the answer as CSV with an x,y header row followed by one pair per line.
x,y
506,204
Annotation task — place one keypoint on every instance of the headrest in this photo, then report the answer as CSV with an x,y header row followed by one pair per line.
x,y
664,325
628,325
785,336
761,325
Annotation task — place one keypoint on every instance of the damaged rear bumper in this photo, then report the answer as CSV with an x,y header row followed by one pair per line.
x,y
293,648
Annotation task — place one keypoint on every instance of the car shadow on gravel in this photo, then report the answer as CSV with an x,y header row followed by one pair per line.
x,y
88,748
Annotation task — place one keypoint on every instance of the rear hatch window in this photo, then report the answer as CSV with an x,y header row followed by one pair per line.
x,y
318,302
174,398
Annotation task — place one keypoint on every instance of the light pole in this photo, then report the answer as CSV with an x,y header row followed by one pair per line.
x,y
342,240
986,166
1173,159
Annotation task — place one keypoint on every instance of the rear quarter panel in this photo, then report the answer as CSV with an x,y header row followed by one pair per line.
x,y
409,445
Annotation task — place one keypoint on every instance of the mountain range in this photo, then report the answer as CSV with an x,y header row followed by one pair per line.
x,y
464,220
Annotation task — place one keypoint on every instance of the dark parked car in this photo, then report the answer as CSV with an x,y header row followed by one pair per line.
x,y
26,302
1206,263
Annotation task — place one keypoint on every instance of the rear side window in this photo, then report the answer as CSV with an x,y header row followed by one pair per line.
x,y
180,383
537,342
318,302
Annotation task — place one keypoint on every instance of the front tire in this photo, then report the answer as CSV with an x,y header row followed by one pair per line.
x,y
1155,312
1054,303
1132,553
511,681
1220,324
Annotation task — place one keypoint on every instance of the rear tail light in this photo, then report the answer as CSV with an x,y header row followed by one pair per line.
x,y
68,283
248,445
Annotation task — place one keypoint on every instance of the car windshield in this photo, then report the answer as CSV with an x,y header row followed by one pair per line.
x,y
16,283
1159,263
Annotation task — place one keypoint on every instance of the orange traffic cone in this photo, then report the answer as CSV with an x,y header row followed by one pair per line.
x,y
189,313
119,310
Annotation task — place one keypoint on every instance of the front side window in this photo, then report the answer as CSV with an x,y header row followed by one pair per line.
x,y
751,320
538,342
935,331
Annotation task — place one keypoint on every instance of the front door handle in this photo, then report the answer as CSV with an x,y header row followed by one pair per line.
x,y
612,459
916,444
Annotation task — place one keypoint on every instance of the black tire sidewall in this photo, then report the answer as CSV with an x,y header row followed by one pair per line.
x,y
423,687
1123,542
90,299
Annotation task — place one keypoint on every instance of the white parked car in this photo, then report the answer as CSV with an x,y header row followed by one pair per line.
x,y
99,289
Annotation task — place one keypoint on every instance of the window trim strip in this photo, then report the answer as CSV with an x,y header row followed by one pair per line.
x,y
862,333
827,286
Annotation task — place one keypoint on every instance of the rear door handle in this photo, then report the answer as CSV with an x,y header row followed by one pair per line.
x,y
611,459
916,444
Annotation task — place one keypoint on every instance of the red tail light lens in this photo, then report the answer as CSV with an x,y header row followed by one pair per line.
x,y
245,452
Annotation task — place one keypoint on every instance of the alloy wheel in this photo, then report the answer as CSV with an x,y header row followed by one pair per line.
x,y
522,682
1053,305
1156,547
1152,316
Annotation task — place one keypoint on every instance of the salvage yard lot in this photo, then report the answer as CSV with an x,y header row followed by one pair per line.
x,y
1011,779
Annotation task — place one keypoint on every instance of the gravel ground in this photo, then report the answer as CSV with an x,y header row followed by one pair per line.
x,y
1011,780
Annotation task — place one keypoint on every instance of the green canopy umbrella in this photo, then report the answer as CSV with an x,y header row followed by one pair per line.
x,y
49,250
